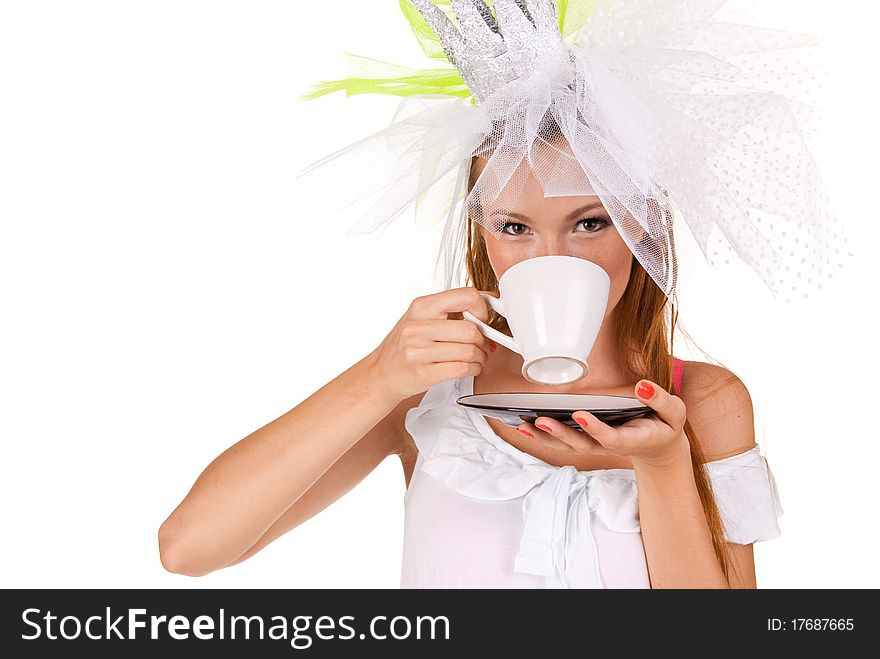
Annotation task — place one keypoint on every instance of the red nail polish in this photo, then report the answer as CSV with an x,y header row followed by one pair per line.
x,y
493,346
646,390
544,427
581,421
524,432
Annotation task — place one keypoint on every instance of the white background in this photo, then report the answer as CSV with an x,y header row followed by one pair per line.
x,y
168,287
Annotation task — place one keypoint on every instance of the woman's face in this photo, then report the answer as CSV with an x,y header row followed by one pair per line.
x,y
535,225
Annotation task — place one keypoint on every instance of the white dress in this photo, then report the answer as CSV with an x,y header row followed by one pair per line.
x,y
480,513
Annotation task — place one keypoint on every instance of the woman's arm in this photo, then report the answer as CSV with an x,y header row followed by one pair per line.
x,y
247,490
678,543
239,503
346,473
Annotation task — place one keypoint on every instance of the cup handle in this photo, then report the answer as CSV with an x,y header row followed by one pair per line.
x,y
489,332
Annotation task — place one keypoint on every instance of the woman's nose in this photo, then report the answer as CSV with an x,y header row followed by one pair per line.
x,y
555,247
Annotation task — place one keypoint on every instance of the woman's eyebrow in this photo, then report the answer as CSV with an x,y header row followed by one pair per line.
x,y
525,218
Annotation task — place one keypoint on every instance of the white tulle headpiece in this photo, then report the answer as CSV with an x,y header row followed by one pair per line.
x,y
673,116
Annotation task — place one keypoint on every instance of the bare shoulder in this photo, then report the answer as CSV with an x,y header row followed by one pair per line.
x,y
719,409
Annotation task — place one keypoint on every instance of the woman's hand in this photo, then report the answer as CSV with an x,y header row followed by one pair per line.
x,y
655,441
432,342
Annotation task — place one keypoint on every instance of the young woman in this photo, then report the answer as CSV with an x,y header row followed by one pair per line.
x,y
587,129
488,505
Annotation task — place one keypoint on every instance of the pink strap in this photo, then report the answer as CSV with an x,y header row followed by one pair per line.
x,y
677,370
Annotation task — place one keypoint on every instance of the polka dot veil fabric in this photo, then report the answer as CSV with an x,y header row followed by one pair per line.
x,y
678,117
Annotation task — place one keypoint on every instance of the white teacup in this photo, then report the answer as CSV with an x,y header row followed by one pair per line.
x,y
554,307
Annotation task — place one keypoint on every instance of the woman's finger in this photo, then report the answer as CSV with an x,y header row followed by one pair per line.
x,y
541,438
423,333
606,436
438,305
570,436
671,409
449,352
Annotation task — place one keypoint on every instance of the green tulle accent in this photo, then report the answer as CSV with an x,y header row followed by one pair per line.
x,y
371,76
386,78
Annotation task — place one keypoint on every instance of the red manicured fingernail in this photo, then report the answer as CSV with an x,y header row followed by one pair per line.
x,y
525,432
646,390
493,346
581,420
543,427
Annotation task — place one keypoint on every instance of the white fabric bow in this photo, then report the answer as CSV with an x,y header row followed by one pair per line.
x,y
559,502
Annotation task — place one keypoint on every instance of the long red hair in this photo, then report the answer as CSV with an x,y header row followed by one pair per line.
x,y
644,335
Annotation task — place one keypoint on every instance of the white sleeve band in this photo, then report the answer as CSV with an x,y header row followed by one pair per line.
x,y
746,495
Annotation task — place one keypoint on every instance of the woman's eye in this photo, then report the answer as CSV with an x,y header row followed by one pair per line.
x,y
517,232
594,224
